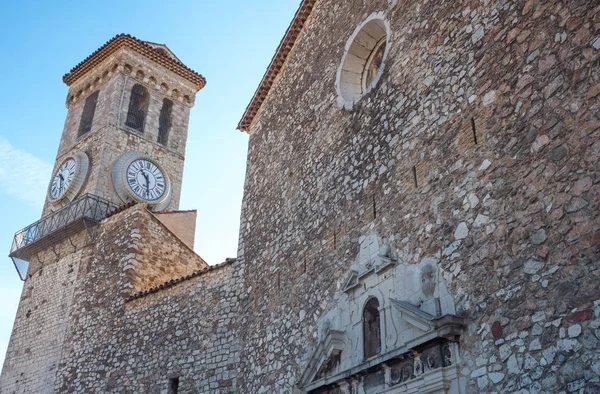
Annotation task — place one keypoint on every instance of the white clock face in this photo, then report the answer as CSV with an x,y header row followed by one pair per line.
x,y
62,179
146,180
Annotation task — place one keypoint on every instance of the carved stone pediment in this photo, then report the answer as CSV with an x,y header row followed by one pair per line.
x,y
377,266
446,325
352,281
325,358
383,263
414,316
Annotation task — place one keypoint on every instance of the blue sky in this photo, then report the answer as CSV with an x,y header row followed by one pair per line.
x,y
229,42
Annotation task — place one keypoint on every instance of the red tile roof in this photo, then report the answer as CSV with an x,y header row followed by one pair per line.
x,y
279,59
176,281
125,40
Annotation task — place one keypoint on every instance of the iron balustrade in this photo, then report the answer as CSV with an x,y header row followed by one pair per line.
x,y
89,209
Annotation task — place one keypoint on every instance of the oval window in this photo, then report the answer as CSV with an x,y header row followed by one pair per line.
x,y
363,61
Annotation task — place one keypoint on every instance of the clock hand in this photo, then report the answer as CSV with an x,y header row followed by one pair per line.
x,y
147,183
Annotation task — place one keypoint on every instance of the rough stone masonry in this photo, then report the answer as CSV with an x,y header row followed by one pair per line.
x,y
477,149
447,215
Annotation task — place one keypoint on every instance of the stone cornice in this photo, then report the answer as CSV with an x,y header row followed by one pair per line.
x,y
128,41
103,74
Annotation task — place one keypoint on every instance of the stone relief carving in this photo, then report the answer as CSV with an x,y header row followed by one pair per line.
x,y
371,348
428,280
438,355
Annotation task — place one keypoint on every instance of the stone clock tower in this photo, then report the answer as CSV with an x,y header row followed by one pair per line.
x,y
123,143
128,96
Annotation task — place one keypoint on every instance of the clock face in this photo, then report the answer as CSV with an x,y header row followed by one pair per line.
x,y
63,178
139,178
146,180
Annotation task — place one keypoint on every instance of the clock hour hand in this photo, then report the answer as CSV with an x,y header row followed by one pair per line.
x,y
147,183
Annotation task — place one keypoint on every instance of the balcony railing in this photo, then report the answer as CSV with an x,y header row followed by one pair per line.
x,y
83,212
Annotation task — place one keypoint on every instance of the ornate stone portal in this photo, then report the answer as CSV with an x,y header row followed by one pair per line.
x,y
393,330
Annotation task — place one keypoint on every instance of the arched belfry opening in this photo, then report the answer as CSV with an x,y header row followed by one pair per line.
x,y
138,108
371,328
164,121
87,116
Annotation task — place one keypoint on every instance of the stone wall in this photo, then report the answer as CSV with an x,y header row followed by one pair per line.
x,y
475,154
35,346
158,255
181,329
477,149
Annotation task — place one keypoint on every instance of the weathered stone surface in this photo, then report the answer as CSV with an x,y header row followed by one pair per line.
x,y
496,377
464,84
574,331
539,237
532,267
461,232
558,153
497,330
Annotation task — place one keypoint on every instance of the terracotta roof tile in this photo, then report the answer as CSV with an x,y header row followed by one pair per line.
x,y
126,40
279,59
176,281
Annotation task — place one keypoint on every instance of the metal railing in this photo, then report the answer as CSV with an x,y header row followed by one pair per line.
x,y
88,207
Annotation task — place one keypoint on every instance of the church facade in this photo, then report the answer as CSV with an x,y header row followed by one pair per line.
x,y
420,214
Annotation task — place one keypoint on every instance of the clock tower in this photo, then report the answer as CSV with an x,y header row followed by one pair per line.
x,y
122,147
128,102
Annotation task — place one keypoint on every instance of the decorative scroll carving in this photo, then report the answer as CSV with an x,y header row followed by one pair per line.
x,y
431,358
405,368
402,372
446,355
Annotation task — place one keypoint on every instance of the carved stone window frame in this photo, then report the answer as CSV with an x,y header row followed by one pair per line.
x,y
360,52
